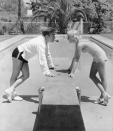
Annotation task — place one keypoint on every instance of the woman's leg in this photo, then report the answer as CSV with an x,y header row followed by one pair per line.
x,y
98,83
102,74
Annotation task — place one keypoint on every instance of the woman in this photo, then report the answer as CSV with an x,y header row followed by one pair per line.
x,y
21,55
98,65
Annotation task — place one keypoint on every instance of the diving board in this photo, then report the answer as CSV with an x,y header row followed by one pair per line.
x,y
59,107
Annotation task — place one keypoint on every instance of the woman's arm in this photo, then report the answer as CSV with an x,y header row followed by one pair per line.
x,y
75,61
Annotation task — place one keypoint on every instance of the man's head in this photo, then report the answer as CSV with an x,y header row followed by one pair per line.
x,y
49,33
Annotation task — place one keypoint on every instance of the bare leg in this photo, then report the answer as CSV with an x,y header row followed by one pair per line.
x,y
17,66
22,78
15,80
102,74
98,83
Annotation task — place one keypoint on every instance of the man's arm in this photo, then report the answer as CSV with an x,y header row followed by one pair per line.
x,y
43,61
49,58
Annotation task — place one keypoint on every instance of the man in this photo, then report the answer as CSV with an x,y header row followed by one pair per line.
x,y
21,55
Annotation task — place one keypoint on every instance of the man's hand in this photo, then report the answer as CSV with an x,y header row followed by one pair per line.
x,y
68,70
71,75
49,75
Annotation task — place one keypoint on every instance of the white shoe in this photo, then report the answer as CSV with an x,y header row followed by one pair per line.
x,y
17,98
8,95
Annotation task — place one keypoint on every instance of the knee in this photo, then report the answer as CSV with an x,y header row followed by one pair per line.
x,y
92,76
25,77
103,79
14,77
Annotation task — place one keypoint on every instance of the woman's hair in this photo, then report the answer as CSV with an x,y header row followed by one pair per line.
x,y
72,32
47,30
78,16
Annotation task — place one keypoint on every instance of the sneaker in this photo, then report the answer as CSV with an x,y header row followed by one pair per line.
x,y
17,98
8,96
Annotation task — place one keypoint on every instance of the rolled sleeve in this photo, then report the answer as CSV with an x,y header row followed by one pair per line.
x,y
43,59
49,58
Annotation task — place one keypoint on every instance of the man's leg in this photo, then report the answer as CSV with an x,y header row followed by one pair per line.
x,y
20,80
15,81
23,77
16,68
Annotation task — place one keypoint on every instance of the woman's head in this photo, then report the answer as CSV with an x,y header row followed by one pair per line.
x,y
72,35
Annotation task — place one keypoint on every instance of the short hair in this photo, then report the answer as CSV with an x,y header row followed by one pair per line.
x,y
47,30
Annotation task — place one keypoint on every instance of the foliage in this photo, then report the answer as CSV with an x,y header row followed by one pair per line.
x,y
56,12
11,6
97,12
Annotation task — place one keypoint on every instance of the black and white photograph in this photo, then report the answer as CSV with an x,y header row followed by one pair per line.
x,y
56,65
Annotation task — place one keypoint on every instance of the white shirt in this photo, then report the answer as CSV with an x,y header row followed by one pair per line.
x,y
37,46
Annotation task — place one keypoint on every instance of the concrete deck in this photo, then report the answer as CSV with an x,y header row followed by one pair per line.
x,y
21,116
